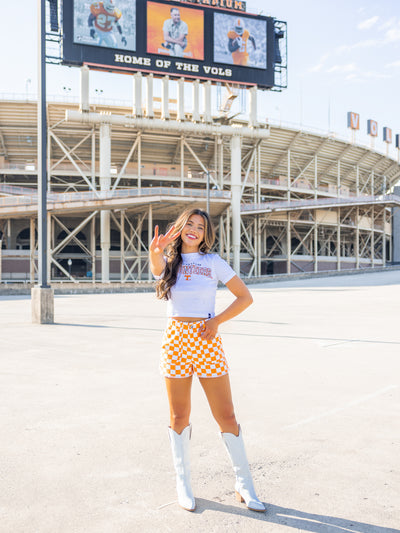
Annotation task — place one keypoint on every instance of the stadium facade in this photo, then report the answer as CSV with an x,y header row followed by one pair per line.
x,y
283,200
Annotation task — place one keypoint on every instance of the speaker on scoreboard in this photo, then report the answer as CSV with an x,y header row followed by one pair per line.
x,y
53,4
278,35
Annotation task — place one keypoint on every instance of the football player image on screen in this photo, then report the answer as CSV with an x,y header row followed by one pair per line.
x,y
175,34
239,37
103,19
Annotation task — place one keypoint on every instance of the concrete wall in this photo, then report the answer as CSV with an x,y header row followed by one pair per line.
x,y
396,230
324,265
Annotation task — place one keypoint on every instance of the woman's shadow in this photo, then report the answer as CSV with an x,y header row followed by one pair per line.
x,y
299,520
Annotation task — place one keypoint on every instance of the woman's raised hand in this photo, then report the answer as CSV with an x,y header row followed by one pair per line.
x,y
160,242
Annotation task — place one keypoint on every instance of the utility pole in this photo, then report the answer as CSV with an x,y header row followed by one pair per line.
x,y
42,294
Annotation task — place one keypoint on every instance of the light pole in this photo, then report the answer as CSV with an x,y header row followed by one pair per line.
x,y
208,191
280,115
28,82
42,147
42,295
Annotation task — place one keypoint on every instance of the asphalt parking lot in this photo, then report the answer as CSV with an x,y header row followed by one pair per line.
x,y
315,372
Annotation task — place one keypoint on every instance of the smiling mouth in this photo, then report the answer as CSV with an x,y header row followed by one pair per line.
x,y
193,237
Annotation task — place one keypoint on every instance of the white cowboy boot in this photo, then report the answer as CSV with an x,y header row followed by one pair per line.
x,y
244,488
180,455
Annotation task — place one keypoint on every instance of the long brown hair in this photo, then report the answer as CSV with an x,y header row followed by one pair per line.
x,y
174,250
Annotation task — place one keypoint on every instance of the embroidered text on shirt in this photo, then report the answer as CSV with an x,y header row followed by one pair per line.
x,y
188,270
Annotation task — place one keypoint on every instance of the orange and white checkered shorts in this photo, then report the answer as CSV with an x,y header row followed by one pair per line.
x,y
184,352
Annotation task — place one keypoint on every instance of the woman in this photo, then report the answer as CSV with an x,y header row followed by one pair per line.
x,y
187,277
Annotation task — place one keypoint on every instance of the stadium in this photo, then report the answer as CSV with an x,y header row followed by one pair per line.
x,y
284,200
307,202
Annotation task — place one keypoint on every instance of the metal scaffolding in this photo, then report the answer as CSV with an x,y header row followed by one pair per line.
x,y
283,200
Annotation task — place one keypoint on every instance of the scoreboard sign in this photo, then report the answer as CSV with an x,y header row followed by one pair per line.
x,y
200,39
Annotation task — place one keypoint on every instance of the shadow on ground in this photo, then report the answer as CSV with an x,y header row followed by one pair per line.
x,y
299,520
226,333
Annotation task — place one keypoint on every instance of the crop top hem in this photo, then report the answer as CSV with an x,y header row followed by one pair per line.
x,y
192,315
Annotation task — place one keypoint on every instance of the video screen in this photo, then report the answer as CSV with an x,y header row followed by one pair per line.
x,y
175,31
240,41
110,23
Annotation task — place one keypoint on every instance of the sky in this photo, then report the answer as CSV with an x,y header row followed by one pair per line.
x,y
342,56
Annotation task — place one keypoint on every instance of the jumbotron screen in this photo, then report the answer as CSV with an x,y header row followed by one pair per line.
x,y
188,38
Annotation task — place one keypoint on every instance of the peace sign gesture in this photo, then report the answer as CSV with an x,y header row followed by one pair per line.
x,y
160,242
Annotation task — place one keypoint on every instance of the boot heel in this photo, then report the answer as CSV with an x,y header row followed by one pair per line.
x,y
238,497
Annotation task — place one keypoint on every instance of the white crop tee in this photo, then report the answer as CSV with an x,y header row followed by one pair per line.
x,y
194,291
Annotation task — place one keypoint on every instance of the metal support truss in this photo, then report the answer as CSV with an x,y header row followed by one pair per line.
x,y
344,237
55,252
134,252
69,154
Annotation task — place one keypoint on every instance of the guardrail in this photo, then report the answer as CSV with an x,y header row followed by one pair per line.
x,y
198,176
167,173
321,202
88,196
14,189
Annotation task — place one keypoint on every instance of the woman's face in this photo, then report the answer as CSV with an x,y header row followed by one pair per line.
x,y
193,234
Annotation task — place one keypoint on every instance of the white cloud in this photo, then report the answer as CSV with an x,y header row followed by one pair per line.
x,y
394,64
350,67
369,43
368,23
375,75
316,68
389,23
353,77
362,76
385,34
393,34
352,72
319,66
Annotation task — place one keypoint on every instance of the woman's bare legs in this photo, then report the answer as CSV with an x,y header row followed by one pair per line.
x,y
178,390
218,392
219,396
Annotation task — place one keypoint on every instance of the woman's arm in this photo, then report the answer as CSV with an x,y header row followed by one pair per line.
x,y
157,263
242,301
156,250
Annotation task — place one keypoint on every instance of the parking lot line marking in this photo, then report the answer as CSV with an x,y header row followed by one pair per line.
x,y
339,409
